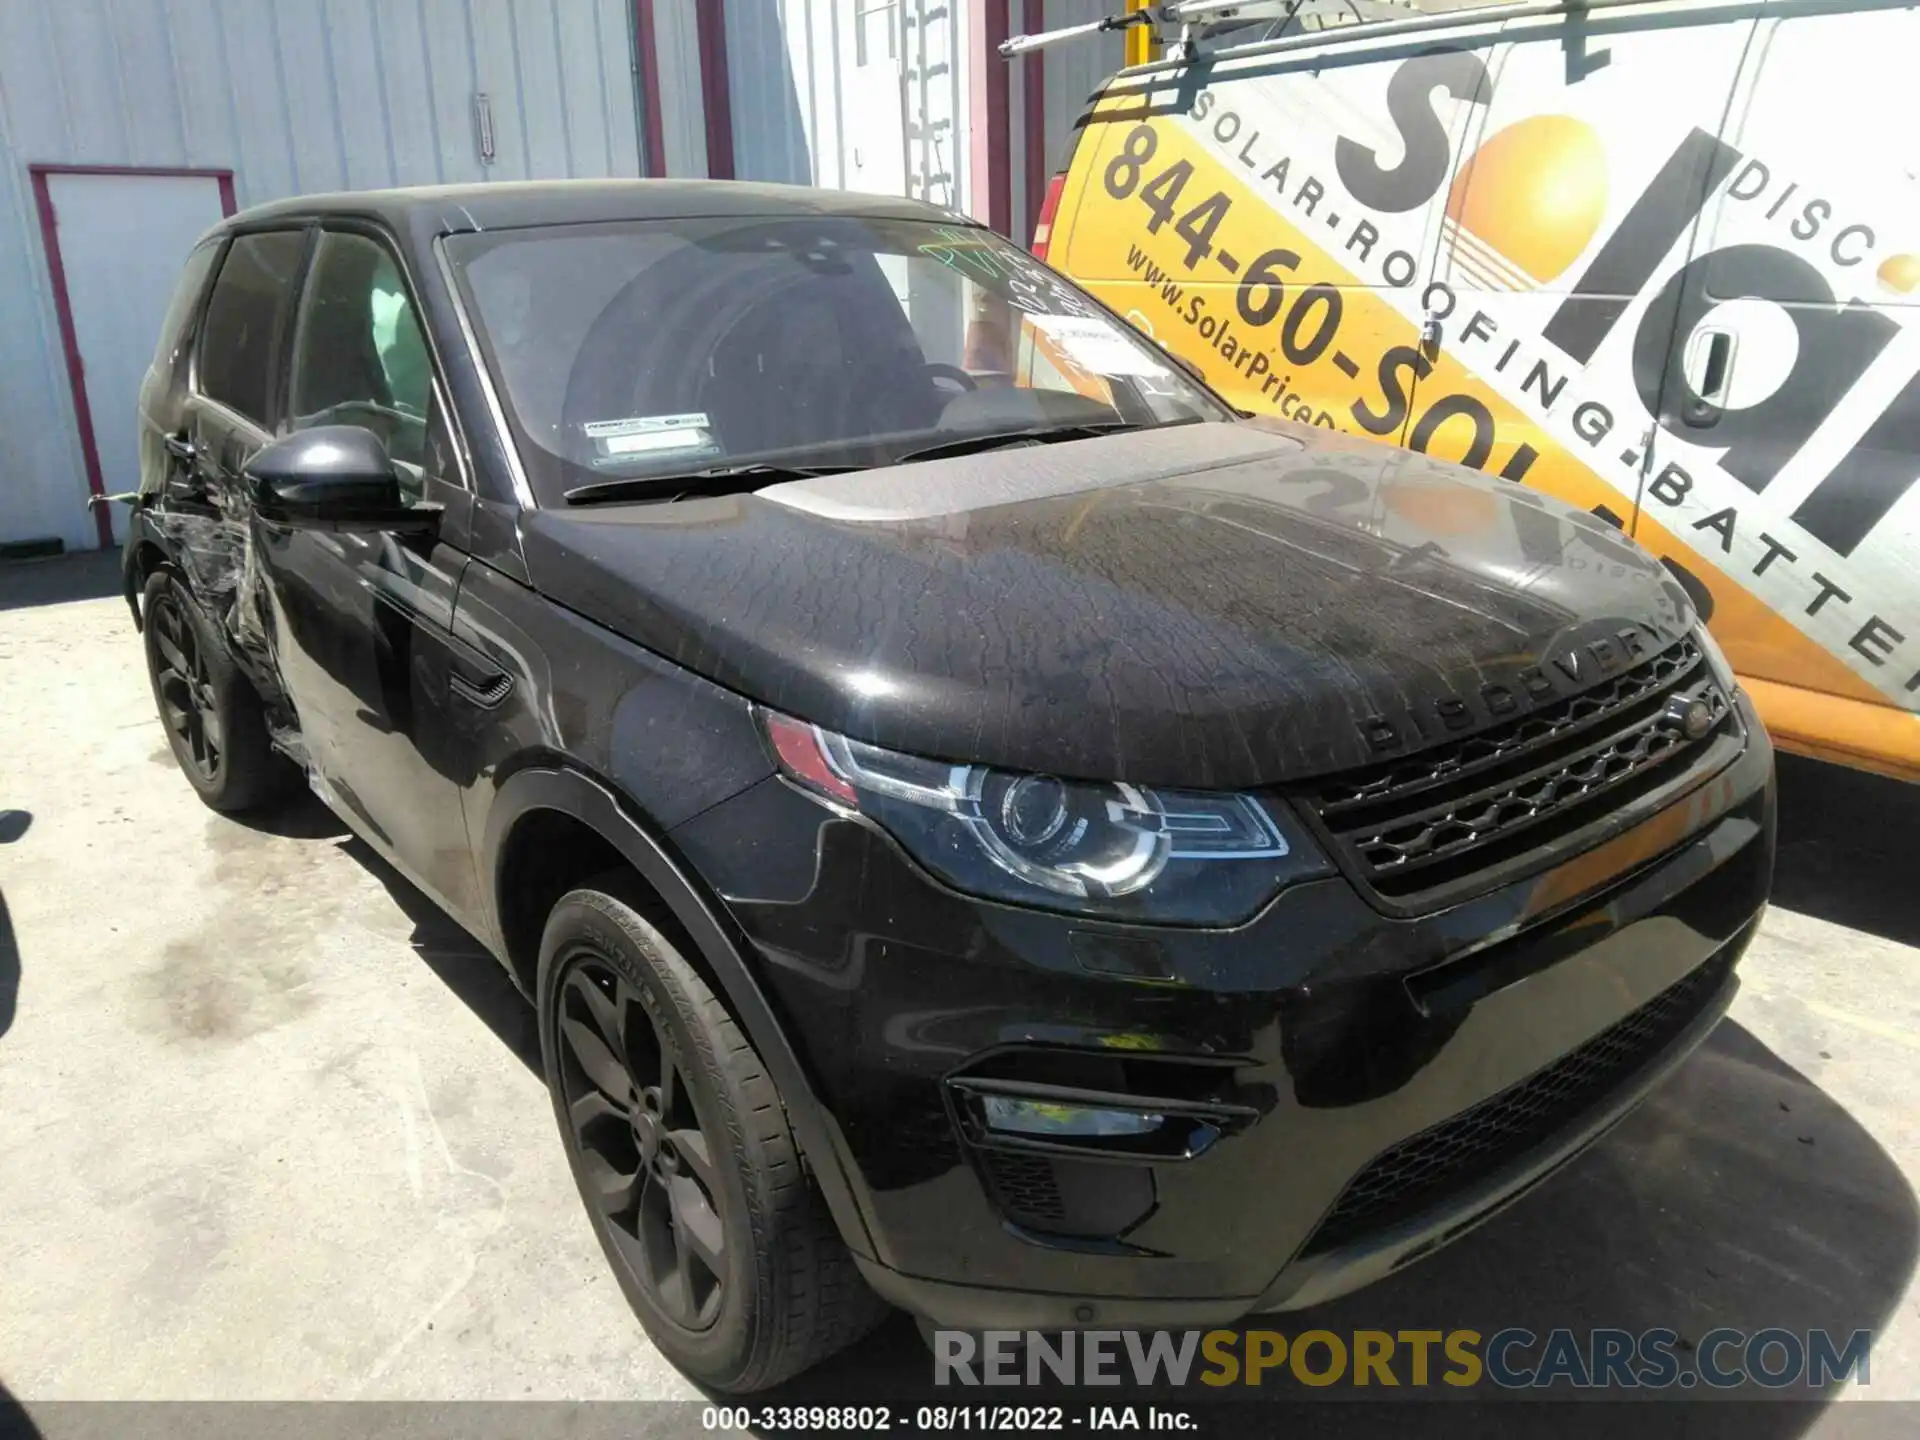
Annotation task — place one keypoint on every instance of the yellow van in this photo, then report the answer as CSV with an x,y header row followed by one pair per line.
x,y
1660,258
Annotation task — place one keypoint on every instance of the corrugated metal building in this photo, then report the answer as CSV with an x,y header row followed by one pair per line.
x,y
127,125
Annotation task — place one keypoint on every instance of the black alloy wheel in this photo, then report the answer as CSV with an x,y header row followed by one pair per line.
x,y
188,706
649,1162
681,1147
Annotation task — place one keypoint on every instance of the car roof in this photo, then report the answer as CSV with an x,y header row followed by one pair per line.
x,y
427,211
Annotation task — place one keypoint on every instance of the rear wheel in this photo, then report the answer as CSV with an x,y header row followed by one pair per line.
x,y
210,711
681,1150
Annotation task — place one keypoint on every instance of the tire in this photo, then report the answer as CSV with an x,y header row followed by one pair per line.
x,y
677,1137
210,711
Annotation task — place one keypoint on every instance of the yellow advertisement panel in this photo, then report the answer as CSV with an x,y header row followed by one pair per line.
x,y
1469,253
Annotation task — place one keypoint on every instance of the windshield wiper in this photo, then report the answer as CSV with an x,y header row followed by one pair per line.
x,y
717,480
1040,435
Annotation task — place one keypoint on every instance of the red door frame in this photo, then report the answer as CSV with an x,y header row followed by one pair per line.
x,y
63,305
1033,90
653,159
716,81
993,29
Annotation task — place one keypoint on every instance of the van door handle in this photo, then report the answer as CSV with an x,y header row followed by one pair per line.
x,y
1704,405
1430,338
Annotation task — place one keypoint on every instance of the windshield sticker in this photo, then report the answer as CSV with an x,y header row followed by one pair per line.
x,y
616,441
1094,344
641,424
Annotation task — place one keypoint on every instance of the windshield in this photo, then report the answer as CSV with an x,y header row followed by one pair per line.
x,y
669,347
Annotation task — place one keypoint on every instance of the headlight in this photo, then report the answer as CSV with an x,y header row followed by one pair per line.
x,y
1717,664
1127,851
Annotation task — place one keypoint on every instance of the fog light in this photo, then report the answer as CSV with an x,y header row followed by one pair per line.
x,y
1040,1117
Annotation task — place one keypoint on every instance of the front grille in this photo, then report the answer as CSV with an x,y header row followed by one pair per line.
x,y
1424,1170
1428,828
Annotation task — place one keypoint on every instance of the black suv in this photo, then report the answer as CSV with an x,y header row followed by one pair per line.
x,y
986,828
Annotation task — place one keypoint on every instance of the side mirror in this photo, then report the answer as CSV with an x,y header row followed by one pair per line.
x,y
332,477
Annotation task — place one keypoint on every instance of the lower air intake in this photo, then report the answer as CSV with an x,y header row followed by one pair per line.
x,y
1425,1170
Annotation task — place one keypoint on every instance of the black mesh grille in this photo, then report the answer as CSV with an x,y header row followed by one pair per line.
x,y
1026,1188
1423,1170
1427,826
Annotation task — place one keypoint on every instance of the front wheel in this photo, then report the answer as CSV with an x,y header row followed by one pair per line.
x,y
681,1150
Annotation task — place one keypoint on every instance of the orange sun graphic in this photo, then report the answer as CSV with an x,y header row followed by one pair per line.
x,y
1527,202
1900,274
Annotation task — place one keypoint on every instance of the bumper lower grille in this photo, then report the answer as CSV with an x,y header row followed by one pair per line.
x,y
1026,1188
1433,827
1425,1170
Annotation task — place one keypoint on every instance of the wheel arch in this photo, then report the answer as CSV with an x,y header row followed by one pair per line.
x,y
142,555
587,802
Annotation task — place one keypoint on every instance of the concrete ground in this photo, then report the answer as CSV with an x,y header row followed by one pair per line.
x,y
271,1126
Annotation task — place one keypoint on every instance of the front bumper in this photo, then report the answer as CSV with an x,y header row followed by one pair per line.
x,y
1372,1087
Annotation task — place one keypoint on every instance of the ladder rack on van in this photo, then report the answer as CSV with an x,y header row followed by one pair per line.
x,y
1186,15
1194,16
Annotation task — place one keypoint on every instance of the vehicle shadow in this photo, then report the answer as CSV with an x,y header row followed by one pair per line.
x,y
457,959
304,818
1738,1195
13,824
15,1423
85,575
9,969
461,962
1847,842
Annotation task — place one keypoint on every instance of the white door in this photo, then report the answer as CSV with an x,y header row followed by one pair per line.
x,y
122,241
874,102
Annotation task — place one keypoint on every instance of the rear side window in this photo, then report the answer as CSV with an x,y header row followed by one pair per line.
x,y
236,346
175,331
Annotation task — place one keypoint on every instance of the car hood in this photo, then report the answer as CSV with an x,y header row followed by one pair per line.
x,y
1216,606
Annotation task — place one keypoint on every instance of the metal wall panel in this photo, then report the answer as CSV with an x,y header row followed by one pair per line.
x,y
939,128
683,117
296,96
293,96
852,94
772,127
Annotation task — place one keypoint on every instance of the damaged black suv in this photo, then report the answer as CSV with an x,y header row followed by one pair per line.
x,y
986,828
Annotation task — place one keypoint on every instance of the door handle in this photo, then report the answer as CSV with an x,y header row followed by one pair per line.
x,y
182,449
1706,400
1430,338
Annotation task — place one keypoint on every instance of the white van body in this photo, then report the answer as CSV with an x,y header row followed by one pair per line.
x,y
1659,259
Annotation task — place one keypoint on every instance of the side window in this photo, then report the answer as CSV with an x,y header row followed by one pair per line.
x,y
236,345
359,354
174,332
